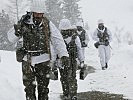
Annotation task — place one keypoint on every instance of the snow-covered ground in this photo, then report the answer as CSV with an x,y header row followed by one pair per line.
x,y
116,79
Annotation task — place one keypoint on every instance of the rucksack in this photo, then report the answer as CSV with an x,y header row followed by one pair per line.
x,y
103,37
71,46
82,38
20,52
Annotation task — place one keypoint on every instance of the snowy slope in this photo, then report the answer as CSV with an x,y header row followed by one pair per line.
x,y
116,79
11,87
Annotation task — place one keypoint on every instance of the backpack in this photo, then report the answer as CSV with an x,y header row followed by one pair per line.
x,y
103,37
82,38
20,53
71,46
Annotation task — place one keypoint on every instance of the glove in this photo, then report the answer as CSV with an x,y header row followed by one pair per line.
x,y
17,28
84,44
106,43
65,61
20,53
96,44
82,64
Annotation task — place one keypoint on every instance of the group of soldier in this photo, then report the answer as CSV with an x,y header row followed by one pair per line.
x,y
43,44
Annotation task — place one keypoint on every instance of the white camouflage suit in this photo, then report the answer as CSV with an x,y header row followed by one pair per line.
x,y
86,37
104,51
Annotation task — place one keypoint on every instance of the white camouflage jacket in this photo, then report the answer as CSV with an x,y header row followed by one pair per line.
x,y
95,37
56,44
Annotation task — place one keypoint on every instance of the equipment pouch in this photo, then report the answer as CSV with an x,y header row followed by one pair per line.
x,y
20,53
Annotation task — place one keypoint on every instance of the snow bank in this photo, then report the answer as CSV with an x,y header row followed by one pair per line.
x,y
116,79
11,87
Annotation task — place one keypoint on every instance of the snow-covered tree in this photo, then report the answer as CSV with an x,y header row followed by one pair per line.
x,y
71,10
16,8
128,38
86,26
54,11
118,34
5,25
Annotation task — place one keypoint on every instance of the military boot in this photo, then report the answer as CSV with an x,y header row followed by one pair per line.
x,y
66,97
103,68
106,66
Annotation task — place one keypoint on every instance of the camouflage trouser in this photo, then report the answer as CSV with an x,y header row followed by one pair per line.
x,y
41,75
68,79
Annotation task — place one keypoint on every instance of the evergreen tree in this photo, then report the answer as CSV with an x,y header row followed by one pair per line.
x,y
16,8
54,11
71,10
5,25
86,26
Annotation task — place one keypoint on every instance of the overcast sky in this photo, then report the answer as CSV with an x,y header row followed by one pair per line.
x,y
3,4
111,11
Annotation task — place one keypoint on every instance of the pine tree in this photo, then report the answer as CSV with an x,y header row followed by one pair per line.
x,y
54,11
5,25
86,26
16,8
71,10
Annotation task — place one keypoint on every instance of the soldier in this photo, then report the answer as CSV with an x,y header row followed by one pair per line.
x,y
103,37
40,39
83,35
68,74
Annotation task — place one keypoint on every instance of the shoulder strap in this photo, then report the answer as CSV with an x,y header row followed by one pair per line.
x,y
106,32
46,29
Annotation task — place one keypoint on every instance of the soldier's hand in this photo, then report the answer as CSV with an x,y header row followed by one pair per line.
x,y
82,64
96,44
106,43
17,28
84,44
65,61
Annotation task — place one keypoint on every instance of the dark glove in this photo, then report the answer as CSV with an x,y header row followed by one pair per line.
x,y
65,61
17,28
96,44
106,43
82,64
20,53
84,44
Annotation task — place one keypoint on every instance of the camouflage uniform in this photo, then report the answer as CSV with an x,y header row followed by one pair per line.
x,y
40,39
41,76
68,75
35,43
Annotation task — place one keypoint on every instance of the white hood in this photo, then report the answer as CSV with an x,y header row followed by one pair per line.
x,y
100,21
79,24
65,24
38,6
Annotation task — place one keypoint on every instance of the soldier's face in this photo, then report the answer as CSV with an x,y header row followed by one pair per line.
x,y
79,28
37,21
101,26
37,18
